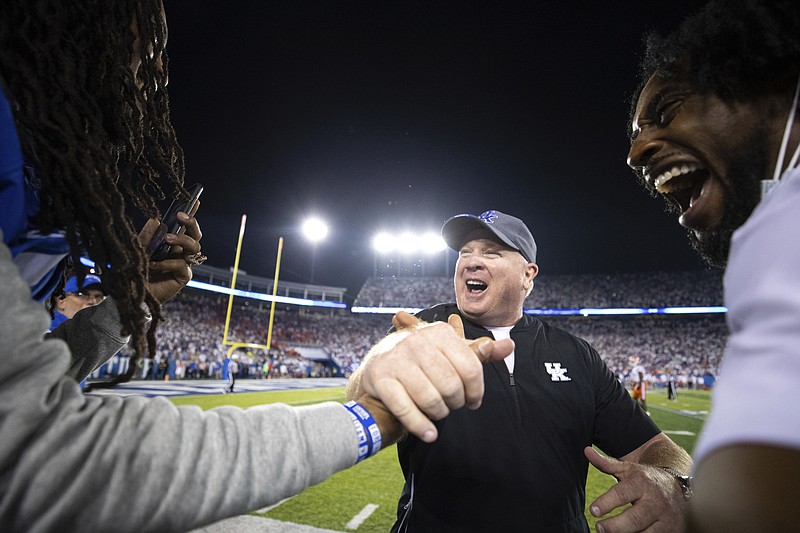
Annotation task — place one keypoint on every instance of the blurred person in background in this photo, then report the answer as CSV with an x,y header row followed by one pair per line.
x,y
638,377
77,295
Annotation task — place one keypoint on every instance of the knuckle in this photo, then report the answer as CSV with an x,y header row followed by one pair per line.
x,y
438,328
623,492
389,392
433,406
409,339
453,392
373,374
638,519
402,410
472,371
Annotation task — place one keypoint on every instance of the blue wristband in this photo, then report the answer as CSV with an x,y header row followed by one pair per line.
x,y
363,443
369,434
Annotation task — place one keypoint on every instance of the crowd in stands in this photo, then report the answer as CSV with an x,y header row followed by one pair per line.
x,y
685,348
190,341
562,291
393,291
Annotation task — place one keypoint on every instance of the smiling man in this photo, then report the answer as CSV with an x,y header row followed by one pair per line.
x,y
700,152
518,461
715,132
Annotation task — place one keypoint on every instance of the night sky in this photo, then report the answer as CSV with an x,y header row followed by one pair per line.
x,y
390,114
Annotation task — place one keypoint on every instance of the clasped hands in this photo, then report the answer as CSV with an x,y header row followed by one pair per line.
x,y
421,372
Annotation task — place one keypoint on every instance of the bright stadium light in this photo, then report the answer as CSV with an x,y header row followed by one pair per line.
x,y
315,229
432,243
407,243
383,243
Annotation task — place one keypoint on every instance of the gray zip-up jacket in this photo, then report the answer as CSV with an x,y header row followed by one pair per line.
x,y
69,462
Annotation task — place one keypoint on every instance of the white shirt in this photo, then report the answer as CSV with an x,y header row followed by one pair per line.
x,y
756,398
499,334
635,371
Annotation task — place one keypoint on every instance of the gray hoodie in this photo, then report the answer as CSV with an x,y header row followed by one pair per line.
x,y
74,463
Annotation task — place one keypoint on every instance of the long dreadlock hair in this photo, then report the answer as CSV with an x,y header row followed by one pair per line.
x,y
97,133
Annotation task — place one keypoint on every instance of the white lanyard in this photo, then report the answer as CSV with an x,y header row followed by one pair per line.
x,y
767,185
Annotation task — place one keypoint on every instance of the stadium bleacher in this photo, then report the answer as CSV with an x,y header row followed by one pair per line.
x,y
687,347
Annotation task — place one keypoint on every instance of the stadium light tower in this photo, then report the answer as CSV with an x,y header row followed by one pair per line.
x,y
429,244
314,230
432,243
383,243
406,244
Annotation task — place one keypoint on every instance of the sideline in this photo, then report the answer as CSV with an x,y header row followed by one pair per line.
x,y
199,387
258,524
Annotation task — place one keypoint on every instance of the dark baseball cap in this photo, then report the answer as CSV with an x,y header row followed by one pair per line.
x,y
510,230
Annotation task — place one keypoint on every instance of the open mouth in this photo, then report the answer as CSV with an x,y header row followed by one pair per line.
x,y
682,185
475,286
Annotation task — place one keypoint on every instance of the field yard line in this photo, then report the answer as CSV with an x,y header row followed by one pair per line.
x,y
258,524
679,432
697,415
362,515
274,505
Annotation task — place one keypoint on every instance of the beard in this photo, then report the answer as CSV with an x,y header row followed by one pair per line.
x,y
742,195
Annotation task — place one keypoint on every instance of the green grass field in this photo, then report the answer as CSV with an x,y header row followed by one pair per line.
x,y
378,481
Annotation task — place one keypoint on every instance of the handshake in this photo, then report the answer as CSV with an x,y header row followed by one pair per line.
x,y
420,373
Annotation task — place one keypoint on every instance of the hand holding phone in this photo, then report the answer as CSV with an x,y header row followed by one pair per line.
x,y
158,248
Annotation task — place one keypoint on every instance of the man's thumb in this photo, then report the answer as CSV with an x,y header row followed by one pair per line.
x,y
489,350
600,462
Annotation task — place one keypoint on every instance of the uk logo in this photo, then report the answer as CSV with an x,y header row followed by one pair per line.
x,y
489,217
556,372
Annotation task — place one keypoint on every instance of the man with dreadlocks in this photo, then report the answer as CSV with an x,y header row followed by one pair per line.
x,y
96,139
85,132
715,132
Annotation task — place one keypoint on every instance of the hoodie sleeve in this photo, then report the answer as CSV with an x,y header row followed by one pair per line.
x,y
93,337
69,462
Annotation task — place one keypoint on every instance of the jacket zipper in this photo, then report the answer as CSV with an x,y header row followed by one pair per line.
x,y
513,384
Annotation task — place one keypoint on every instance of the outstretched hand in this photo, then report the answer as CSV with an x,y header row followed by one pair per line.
x,y
423,371
657,501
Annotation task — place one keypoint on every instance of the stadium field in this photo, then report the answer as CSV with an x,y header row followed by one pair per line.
x,y
363,498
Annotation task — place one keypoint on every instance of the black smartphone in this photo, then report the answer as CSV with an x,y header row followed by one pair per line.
x,y
169,223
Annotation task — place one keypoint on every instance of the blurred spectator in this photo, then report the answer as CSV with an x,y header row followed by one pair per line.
x,y
77,295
